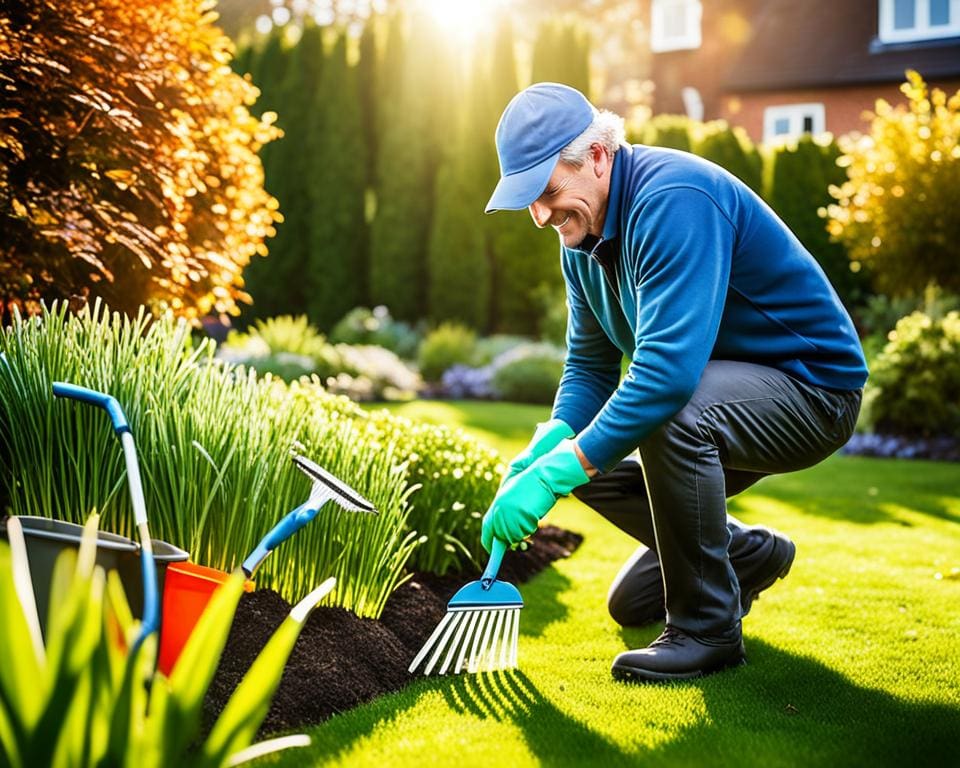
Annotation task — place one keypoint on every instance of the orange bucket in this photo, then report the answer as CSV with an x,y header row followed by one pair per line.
x,y
187,590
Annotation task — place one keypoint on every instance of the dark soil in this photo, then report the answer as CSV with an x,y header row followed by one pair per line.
x,y
340,660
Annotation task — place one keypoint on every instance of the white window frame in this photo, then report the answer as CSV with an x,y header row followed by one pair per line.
x,y
922,29
795,113
690,39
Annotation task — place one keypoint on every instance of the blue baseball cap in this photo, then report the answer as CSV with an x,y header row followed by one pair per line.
x,y
536,125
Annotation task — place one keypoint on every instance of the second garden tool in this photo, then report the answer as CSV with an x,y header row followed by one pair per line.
x,y
481,629
189,586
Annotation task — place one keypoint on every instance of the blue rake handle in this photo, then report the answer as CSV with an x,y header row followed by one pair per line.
x,y
497,552
151,605
282,531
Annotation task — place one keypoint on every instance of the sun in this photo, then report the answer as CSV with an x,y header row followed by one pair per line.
x,y
461,17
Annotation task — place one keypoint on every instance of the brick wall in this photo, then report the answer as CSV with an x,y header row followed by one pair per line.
x,y
843,106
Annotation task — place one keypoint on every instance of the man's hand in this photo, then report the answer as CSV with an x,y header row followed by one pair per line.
x,y
545,438
528,496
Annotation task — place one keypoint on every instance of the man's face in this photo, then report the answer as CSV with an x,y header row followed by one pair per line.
x,y
574,202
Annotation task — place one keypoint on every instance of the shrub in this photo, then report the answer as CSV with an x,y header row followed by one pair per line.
x,y
491,347
528,374
372,373
798,179
671,131
447,345
127,148
377,326
730,148
896,212
914,387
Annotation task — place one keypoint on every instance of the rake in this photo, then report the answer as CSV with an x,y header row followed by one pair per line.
x,y
480,630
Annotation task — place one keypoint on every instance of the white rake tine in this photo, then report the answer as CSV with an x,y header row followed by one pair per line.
x,y
474,615
477,635
452,651
482,655
516,638
492,661
507,637
442,643
429,644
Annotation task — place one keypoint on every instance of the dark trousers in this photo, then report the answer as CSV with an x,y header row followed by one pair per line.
x,y
744,422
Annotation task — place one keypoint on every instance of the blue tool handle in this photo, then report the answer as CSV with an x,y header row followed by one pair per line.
x,y
151,607
493,564
107,402
282,531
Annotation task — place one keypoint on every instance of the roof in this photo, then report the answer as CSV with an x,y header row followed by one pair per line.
x,y
806,43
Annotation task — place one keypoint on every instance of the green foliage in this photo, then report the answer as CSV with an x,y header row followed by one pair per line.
x,y
213,443
799,176
529,374
561,54
458,479
336,271
896,212
553,309
731,148
407,160
85,699
491,347
671,131
458,267
447,345
377,326
914,386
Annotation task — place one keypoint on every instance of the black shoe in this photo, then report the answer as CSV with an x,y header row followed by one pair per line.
x,y
760,556
677,655
762,566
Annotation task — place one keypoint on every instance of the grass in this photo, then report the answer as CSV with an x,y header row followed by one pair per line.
x,y
853,660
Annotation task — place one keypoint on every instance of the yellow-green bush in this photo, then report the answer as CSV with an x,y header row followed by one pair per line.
x,y
897,212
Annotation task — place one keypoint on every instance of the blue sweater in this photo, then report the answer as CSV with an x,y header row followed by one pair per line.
x,y
692,266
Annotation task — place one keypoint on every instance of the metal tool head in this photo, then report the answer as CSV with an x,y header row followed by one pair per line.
x,y
329,486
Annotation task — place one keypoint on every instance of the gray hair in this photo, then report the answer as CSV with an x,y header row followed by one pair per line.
x,y
606,130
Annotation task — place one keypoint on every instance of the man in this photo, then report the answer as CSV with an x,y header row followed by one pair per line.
x,y
743,363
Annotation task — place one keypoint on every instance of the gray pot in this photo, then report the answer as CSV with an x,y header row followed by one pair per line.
x,y
46,539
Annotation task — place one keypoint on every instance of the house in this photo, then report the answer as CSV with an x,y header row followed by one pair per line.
x,y
781,68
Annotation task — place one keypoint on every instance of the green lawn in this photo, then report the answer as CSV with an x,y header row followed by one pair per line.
x,y
853,660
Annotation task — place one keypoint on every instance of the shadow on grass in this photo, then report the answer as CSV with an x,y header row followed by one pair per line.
x,y
538,614
780,709
863,491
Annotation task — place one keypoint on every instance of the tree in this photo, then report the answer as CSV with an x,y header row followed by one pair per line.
x,y
459,268
413,137
524,261
337,174
128,158
896,212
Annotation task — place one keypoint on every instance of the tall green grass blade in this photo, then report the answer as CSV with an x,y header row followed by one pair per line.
x,y
249,703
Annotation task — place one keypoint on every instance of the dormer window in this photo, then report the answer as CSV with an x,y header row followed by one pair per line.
x,y
675,25
903,21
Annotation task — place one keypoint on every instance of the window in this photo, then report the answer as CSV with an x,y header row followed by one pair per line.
x,y
675,25
909,20
790,121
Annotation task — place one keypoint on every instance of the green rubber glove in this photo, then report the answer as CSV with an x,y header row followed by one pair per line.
x,y
545,438
528,496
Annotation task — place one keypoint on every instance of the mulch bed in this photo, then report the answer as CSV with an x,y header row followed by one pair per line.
x,y
340,660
